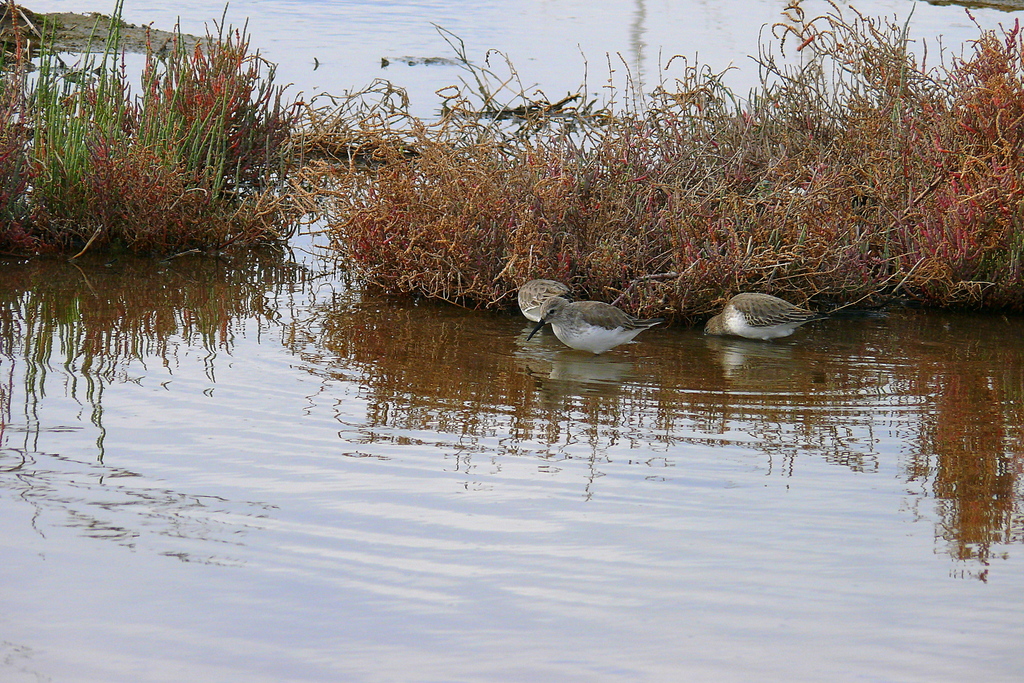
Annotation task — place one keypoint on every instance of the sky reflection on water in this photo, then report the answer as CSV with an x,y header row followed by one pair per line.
x,y
336,46
237,472
246,471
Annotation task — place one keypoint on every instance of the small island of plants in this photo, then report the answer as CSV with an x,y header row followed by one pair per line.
x,y
851,176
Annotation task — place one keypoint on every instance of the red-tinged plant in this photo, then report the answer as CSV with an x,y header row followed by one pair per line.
x,y
198,160
853,177
14,166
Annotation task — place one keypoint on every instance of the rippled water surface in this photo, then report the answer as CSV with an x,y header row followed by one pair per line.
x,y
252,470
555,45
249,471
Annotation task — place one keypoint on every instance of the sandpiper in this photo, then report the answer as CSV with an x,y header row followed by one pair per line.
x,y
590,325
534,293
759,316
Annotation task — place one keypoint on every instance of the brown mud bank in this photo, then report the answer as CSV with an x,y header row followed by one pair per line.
x,y
73,32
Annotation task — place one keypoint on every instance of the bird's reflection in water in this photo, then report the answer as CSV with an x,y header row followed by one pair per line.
x,y
561,374
585,368
574,366
757,365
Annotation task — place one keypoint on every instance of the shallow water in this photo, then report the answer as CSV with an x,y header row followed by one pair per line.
x,y
555,46
248,471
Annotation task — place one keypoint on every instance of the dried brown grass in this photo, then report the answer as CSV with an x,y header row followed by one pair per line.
x,y
857,176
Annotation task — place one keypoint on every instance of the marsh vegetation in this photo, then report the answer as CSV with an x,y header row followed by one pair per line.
x,y
191,157
855,174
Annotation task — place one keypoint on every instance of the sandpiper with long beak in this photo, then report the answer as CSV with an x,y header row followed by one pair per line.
x,y
590,325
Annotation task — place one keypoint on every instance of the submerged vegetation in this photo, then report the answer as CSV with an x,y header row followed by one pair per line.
x,y
853,174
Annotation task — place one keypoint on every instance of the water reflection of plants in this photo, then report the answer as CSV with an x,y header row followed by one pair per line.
x,y
427,368
77,329
970,442
92,319
956,409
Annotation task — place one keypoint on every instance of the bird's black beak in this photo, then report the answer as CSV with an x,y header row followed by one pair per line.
x,y
536,329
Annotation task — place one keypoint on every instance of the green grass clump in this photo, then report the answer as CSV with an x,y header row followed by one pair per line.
x,y
195,159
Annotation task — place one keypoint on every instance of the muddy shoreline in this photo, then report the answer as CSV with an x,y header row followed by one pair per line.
x,y
73,32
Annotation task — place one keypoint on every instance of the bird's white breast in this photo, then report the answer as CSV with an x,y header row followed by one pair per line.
x,y
736,323
593,338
